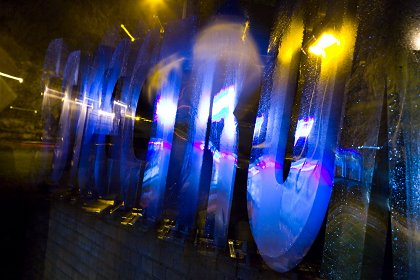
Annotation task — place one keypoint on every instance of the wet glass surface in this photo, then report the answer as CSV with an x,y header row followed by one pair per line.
x,y
299,147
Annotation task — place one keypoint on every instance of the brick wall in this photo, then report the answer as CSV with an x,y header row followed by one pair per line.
x,y
87,246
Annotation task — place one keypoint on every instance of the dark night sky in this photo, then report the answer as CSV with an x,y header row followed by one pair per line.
x,y
27,27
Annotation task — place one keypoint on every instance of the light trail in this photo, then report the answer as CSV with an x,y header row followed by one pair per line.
x,y
11,77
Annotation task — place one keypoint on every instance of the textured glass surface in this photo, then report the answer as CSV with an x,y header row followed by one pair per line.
x,y
155,127
165,81
285,215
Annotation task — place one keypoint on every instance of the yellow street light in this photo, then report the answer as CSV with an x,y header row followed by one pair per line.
x,y
327,40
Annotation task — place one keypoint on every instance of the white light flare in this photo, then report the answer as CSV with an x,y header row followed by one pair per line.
x,y
203,111
166,111
258,124
303,128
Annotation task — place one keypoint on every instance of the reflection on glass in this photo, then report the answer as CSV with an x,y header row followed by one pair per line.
x,y
168,76
63,149
87,126
54,63
285,216
110,115
130,167
222,144
225,68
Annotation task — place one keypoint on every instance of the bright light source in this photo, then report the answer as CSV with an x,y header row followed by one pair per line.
x,y
166,111
304,127
23,109
223,103
128,33
326,41
153,5
258,125
136,118
203,110
11,77
416,41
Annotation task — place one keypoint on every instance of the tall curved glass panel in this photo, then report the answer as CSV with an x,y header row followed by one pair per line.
x,y
130,166
107,118
51,83
225,67
89,117
285,215
164,82
64,145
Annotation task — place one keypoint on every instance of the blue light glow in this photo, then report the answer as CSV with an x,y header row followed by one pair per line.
x,y
285,216
167,77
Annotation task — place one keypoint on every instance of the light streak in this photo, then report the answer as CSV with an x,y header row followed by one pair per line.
x,y
128,33
162,29
58,93
223,103
11,77
258,124
246,27
137,118
53,95
369,147
416,41
120,104
23,109
106,114
81,103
